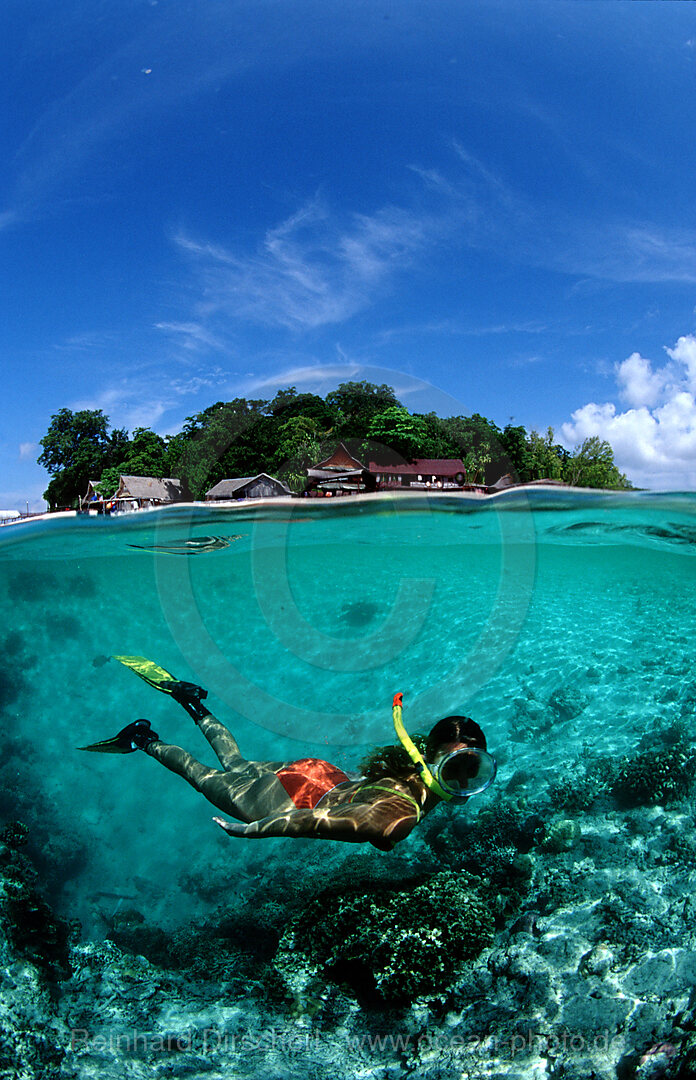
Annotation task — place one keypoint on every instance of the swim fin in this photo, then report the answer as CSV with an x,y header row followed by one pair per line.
x,y
149,671
135,736
156,676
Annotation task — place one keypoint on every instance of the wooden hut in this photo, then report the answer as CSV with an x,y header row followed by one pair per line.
x,y
142,492
261,486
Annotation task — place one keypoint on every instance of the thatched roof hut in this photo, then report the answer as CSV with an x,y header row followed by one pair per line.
x,y
261,486
148,491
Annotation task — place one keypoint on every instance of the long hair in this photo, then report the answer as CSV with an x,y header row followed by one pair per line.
x,y
394,760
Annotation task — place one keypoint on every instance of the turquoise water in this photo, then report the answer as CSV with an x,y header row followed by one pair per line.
x,y
302,625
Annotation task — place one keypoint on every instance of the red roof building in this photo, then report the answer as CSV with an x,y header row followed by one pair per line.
x,y
449,471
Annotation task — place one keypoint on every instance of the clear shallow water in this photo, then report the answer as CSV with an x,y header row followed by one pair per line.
x,y
302,628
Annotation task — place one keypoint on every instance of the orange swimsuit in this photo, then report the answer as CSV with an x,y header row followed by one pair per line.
x,y
308,780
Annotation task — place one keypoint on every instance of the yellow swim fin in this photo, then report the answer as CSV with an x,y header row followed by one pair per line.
x,y
187,694
151,672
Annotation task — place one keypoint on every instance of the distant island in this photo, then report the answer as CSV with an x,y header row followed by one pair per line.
x,y
288,434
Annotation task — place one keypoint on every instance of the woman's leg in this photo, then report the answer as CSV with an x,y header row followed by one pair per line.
x,y
227,750
223,742
248,794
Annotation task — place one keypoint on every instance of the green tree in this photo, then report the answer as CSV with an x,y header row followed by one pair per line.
x,y
355,403
288,404
592,465
108,481
514,444
545,458
399,431
76,448
146,454
299,447
226,440
436,440
477,441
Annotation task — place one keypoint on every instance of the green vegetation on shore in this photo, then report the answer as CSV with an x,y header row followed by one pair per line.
x,y
294,430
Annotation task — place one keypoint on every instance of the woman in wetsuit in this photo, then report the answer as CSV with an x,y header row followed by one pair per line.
x,y
311,797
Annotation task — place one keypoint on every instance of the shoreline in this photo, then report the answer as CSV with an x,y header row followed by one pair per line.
x,y
518,493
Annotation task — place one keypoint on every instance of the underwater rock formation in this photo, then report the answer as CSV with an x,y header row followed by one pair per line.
x,y
30,926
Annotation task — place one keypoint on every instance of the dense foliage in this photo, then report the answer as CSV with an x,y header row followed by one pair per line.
x,y
285,435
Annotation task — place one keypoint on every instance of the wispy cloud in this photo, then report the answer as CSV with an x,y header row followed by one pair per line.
x,y
319,378
310,378
318,268
143,401
85,341
28,450
191,336
310,270
456,328
618,252
8,218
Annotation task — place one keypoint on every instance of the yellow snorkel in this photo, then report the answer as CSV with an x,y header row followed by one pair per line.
x,y
414,753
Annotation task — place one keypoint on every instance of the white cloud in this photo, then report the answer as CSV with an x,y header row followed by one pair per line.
x,y
190,335
27,450
142,402
127,406
311,271
654,440
684,352
638,383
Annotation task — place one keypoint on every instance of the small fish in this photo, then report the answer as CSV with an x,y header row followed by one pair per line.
x,y
100,660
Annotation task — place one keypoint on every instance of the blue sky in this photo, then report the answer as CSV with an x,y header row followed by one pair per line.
x,y
488,205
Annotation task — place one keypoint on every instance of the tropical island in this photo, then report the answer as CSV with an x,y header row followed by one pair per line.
x,y
288,434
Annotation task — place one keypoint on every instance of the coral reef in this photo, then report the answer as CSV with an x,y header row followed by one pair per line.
x,y
583,782
568,702
493,847
563,835
394,944
660,776
28,923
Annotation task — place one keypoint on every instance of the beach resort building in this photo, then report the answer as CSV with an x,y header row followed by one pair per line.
x,y
339,474
422,472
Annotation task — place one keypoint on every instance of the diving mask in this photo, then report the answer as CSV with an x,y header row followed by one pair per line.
x,y
465,772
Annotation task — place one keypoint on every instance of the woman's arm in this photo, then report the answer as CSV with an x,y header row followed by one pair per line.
x,y
382,823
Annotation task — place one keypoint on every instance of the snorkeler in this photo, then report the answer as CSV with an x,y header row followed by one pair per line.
x,y
311,797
